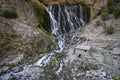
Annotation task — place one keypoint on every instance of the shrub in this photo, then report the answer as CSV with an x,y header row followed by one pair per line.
x,y
116,78
92,66
109,30
97,23
111,7
117,13
9,13
104,15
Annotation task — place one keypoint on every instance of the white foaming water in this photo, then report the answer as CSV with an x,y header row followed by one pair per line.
x,y
67,20
45,60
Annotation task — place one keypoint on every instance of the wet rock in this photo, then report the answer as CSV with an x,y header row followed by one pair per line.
x,y
104,74
80,74
15,69
5,77
5,68
0,71
28,72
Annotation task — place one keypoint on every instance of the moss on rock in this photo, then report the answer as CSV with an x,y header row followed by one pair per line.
x,y
39,10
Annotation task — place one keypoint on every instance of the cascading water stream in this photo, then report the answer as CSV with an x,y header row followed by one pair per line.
x,y
63,18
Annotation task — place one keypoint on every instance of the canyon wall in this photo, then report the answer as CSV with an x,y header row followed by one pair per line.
x,y
95,5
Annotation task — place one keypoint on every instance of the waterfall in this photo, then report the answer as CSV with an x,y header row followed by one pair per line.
x,y
63,19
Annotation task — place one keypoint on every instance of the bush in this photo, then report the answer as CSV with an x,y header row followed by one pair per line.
x,y
104,15
116,78
117,13
9,13
111,7
97,23
109,30
92,66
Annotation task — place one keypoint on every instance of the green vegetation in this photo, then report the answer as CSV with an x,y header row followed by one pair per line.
x,y
43,41
30,55
104,15
98,23
39,10
109,29
9,13
55,63
114,8
111,7
52,67
117,78
117,13
92,66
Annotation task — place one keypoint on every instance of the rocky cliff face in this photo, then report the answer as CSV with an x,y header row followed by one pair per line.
x,y
95,5
20,34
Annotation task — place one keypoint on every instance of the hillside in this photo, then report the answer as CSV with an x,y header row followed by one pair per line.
x,y
59,40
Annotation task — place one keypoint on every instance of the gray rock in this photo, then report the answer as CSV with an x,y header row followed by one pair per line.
x,y
15,69
5,77
104,74
5,68
0,71
80,74
82,47
108,59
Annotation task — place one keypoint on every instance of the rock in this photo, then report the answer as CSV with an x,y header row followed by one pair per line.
x,y
15,69
5,77
5,68
108,59
82,47
80,74
116,51
28,71
17,59
104,74
88,74
0,71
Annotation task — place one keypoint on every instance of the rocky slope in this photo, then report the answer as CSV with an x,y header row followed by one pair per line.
x,y
92,44
21,40
90,53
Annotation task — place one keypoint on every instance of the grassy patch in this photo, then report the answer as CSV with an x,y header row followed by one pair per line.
x,y
55,63
42,41
111,7
104,15
30,55
117,13
9,13
117,78
109,29
92,66
98,23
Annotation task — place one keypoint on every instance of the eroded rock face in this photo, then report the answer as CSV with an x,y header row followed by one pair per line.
x,y
95,5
